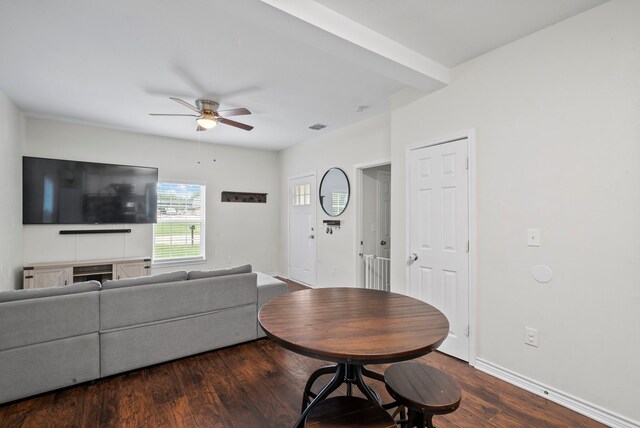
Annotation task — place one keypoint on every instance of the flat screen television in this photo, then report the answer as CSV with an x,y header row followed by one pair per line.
x,y
56,191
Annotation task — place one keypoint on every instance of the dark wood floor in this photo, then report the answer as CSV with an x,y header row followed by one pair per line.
x,y
293,286
258,384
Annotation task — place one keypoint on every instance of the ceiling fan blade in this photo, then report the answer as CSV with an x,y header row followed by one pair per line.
x,y
172,114
200,128
234,123
234,112
184,103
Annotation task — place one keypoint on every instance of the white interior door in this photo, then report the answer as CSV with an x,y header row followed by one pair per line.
x,y
384,214
438,236
302,233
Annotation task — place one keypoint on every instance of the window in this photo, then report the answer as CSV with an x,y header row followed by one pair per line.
x,y
179,233
302,194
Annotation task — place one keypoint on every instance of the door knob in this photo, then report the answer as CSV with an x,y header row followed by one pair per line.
x,y
413,257
383,242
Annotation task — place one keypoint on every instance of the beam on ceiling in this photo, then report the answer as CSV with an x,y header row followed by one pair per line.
x,y
385,56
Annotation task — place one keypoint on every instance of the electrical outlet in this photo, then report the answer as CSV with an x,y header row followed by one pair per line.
x,y
531,336
229,260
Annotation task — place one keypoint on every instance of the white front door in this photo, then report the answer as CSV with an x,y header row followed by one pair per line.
x,y
438,236
302,233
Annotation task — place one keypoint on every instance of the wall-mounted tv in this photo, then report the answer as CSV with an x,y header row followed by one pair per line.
x,y
58,191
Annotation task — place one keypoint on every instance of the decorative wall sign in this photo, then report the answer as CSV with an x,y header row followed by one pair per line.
x,y
244,197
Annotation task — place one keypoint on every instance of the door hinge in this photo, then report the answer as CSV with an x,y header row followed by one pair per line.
x,y
467,163
466,331
468,246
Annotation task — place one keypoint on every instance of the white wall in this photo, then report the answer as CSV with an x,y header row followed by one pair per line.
x,y
237,233
557,120
12,124
363,142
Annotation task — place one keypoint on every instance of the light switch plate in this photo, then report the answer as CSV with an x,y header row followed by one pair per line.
x,y
533,237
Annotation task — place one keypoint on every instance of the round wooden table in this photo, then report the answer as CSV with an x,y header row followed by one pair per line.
x,y
352,327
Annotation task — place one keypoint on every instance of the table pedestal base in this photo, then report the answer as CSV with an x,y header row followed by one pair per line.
x,y
349,373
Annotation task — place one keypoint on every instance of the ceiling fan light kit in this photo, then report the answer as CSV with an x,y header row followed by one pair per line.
x,y
208,114
207,121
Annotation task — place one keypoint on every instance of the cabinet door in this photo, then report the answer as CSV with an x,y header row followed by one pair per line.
x,y
52,277
131,270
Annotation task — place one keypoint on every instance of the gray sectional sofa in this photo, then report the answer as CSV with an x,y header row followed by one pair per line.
x,y
56,337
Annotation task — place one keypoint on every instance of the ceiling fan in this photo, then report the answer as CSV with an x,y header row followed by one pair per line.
x,y
208,115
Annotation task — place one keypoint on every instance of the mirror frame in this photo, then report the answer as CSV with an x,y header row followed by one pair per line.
x,y
348,191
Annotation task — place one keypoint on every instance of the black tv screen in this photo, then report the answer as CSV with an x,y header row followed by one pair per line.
x,y
58,191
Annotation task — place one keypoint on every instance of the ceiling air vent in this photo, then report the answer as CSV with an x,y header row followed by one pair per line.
x,y
317,126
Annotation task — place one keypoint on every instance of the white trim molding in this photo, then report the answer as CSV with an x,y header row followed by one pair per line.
x,y
358,171
569,401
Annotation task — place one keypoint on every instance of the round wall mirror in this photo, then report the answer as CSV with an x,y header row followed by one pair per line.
x,y
334,192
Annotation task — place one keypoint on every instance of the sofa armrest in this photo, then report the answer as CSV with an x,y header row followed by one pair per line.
x,y
268,288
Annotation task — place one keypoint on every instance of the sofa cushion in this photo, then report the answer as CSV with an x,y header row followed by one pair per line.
x,y
37,320
179,275
130,306
35,293
197,274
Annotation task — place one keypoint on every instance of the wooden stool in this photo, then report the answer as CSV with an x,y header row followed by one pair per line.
x,y
424,390
349,411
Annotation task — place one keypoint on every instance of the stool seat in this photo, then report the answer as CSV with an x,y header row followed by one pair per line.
x,y
424,390
349,411
423,387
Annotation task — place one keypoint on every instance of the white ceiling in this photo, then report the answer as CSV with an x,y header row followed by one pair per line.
x,y
293,63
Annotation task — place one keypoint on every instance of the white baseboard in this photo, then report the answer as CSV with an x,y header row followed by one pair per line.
x,y
567,400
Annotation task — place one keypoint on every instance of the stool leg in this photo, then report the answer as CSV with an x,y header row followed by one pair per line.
x,y
420,420
404,421
430,421
416,419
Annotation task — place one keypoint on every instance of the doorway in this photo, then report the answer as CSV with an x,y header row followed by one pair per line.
x,y
302,223
374,230
438,235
